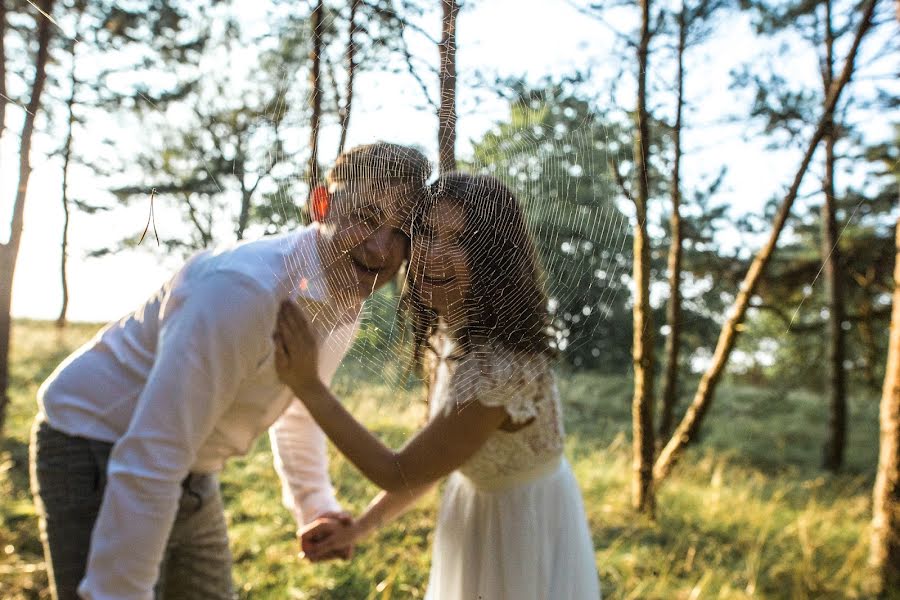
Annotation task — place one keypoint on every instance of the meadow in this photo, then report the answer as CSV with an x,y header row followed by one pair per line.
x,y
748,513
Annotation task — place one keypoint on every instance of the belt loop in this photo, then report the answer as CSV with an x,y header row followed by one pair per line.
x,y
190,491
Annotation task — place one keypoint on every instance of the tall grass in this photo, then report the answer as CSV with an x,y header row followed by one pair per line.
x,y
747,514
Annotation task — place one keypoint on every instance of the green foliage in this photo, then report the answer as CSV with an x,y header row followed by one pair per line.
x,y
791,321
554,153
747,514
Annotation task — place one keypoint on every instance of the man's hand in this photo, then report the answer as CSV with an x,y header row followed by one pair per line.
x,y
327,525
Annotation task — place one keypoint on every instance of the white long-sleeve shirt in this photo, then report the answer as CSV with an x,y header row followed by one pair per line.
x,y
187,381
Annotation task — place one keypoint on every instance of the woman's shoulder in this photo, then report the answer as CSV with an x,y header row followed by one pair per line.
x,y
499,376
503,364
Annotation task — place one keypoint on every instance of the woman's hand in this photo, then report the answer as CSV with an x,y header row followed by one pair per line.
x,y
331,540
296,351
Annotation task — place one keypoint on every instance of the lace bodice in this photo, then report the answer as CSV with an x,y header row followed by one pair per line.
x,y
524,385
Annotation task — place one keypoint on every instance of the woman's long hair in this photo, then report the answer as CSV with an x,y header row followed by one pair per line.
x,y
506,303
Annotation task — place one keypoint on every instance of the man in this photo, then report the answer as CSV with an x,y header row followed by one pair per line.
x,y
134,426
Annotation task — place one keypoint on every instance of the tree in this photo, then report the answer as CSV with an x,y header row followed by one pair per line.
x,y
67,157
217,165
9,251
552,152
351,72
690,424
315,93
642,497
3,91
786,107
447,109
693,26
884,554
833,452
673,308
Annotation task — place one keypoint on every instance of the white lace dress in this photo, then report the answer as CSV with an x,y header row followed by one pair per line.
x,y
511,524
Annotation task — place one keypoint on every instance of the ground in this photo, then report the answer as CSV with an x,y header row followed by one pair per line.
x,y
747,514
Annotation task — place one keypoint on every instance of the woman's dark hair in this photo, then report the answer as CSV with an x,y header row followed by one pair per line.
x,y
506,303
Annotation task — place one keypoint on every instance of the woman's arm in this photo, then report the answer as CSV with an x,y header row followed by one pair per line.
x,y
442,446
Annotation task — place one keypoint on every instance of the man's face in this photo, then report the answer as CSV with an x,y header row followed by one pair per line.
x,y
366,224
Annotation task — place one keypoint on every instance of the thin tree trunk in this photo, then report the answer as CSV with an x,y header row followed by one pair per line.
x,y
867,337
351,72
690,424
3,93
67,155
447,108
9,251
246,195
833,451
673,310
642,497
315,99
884,556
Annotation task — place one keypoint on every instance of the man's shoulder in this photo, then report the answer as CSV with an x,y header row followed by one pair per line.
x,y
269,260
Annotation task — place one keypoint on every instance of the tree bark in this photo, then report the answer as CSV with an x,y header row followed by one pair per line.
x,y
833,451
246,195
673,309
351,72
447,108
67,155
690,424
642,497
3,93
9,251
315,94
867,337
884,555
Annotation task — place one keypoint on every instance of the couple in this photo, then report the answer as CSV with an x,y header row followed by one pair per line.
x,y
133,427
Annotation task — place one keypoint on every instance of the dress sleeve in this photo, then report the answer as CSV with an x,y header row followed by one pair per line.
x,y
500,377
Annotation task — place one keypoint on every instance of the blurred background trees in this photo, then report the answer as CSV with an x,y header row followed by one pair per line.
x,y
219,119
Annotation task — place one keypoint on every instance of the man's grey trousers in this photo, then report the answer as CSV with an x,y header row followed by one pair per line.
x,y
68,476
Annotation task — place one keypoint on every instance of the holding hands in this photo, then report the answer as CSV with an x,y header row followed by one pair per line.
x,y
328,537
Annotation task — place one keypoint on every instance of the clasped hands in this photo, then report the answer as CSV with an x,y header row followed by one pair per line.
x,y
331,536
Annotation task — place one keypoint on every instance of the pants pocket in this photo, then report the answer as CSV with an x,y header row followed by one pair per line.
x,y
66,472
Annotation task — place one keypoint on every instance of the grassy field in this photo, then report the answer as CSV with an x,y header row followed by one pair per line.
x,y
747,514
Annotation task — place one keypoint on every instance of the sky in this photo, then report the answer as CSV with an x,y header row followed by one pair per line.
x,y
530,38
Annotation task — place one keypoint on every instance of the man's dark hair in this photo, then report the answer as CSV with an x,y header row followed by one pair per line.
x,y
392,163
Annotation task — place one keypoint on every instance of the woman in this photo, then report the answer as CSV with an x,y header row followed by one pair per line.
x,y
512,523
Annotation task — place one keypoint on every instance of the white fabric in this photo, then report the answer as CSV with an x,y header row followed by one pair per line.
x,y
187,381
512,524
520,382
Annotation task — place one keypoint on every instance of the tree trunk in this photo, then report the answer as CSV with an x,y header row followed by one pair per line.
x,y
673,310
833,451
867,338
642,497
9,251
447,109
3,96
351,72
690,424
67,155
315,94
884,556
246,194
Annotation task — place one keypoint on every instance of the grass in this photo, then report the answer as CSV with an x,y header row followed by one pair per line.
x,y
747,513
